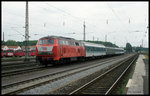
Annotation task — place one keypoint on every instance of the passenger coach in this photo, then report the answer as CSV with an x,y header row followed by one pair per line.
x,y
94,50
114,51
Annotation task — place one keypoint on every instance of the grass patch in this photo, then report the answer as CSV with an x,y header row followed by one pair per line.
x,y
146,57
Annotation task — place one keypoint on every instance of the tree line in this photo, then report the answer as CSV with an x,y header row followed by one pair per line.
x,y
107,44
33,42
128,47
19,43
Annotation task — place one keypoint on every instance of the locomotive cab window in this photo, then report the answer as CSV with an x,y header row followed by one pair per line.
x,y
50,41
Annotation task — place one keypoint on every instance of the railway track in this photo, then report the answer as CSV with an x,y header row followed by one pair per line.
x,y
16,62
31,83
16,65
20,67
12,72
105,83
9,59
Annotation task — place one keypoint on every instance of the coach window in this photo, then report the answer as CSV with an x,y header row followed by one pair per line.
x,y
50,41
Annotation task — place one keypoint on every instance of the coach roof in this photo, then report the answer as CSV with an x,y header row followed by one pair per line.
x,y
93,44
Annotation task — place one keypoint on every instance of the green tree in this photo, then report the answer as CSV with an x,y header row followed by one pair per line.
x,y
128,48
30,43
107,44
2,42
11,43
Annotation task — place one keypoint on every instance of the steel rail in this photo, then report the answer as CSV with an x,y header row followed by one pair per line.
x,y
21,71
109,90
100,76
7,86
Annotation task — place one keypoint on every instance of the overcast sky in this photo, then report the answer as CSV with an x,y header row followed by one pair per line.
x,y
122,22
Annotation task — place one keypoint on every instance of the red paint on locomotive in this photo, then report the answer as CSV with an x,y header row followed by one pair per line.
x,y
19,53
2,53
9,53
55,48
32,52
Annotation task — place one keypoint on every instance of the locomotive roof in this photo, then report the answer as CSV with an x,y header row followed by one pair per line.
x,y
93,44
49,37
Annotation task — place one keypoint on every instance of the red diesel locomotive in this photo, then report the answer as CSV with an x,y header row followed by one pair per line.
x,y
56,49
32,52
9,53
2,53
19,53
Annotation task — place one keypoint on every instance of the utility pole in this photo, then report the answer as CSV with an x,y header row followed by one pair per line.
x,y
142,42
106,35
142,45
84,31
3,36
105,38
26,33
93,38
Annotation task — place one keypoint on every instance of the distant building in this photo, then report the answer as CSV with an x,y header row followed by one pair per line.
x,y
14,47
4,47
10,47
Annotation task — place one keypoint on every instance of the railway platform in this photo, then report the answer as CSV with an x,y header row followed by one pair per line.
x,y
138,84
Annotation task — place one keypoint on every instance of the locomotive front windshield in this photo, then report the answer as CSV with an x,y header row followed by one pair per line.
x,y
41,42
